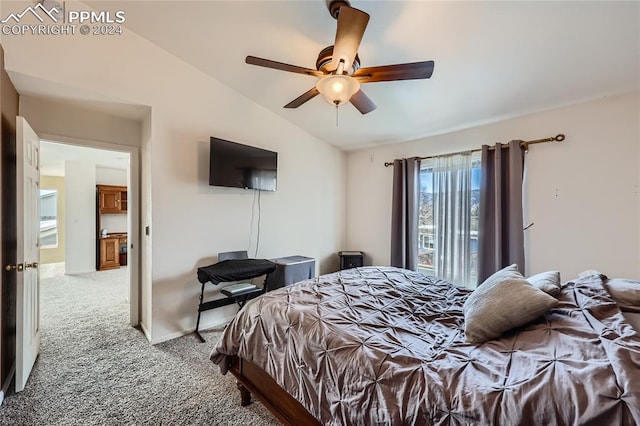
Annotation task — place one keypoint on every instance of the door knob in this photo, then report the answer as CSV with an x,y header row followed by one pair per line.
x,y
17,267
31,265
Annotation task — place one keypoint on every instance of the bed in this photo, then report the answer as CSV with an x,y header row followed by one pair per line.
x,y
381,345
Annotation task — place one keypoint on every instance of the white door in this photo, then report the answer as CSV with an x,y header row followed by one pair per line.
x,y
28,220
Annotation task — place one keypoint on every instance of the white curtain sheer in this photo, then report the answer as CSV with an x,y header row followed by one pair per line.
x,y
452,218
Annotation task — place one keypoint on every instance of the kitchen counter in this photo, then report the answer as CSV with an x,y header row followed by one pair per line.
x,y
115,235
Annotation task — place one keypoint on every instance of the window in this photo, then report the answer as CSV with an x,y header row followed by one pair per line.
x,y
48,218
464,230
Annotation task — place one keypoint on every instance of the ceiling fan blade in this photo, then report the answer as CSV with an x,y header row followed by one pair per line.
x,y
351,25
267,63
362,102
310,94
410,71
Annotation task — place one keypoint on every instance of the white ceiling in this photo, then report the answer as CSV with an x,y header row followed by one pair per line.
x,y
53,156
493,60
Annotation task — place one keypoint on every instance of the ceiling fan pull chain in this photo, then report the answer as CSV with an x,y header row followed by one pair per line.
x,y
336,114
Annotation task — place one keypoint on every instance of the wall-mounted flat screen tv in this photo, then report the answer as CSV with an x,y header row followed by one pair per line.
x,y
241,166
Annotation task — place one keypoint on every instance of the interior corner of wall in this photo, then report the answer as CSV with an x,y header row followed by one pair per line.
x,y
145,330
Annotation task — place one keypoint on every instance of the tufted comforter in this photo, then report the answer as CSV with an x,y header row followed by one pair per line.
x,y
380,345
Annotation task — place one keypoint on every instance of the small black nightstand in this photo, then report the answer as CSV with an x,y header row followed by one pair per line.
x,y
351,259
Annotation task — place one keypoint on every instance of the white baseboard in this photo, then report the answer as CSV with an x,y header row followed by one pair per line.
x,y
145,331
177,334
171,336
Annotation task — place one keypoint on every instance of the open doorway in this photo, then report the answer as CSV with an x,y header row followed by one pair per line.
x,y
73,234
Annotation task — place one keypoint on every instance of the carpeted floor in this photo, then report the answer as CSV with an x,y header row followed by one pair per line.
x,y
94,369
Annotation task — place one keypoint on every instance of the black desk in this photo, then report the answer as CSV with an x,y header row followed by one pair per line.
x,y
227,271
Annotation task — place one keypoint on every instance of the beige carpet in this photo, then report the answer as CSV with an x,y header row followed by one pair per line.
x,y
94,369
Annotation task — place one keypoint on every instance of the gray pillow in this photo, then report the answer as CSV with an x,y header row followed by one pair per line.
x,y
549,282
503,301
625,292
588,273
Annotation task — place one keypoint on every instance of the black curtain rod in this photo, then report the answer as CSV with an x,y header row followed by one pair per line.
x,y
558,138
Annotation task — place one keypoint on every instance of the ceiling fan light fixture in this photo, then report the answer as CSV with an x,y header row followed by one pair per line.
x,y
338,66
337,89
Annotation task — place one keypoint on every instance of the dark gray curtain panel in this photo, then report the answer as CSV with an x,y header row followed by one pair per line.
x,y
501,235
404,213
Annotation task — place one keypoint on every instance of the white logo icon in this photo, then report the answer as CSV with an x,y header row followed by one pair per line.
x,y
34,11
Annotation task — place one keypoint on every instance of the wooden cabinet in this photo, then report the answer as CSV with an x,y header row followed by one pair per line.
x,y
123,251
111,250
109,253
112,199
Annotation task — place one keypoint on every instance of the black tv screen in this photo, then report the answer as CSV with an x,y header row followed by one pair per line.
x,y
241,166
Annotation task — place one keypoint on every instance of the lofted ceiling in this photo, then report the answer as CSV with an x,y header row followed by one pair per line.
x,y
493,60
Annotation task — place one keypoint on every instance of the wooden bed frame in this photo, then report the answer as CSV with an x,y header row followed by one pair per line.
x,y
251,379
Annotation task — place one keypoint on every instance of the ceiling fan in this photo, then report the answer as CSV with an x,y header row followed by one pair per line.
x,y
338,66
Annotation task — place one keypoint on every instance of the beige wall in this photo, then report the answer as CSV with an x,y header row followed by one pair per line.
x,y
190,221
80,248
582,193
51,117
55,255
146,272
